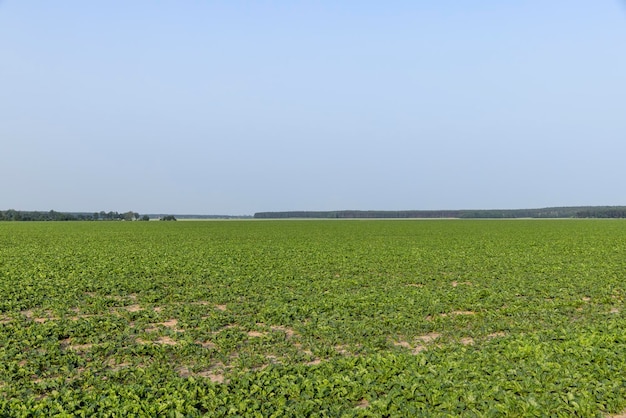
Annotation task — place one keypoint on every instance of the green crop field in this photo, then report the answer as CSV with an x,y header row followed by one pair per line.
x,y
313,318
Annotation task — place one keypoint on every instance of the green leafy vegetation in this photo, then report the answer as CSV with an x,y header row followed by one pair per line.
x,y
313,318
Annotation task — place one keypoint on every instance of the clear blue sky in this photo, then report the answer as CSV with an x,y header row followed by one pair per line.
x,y
234,107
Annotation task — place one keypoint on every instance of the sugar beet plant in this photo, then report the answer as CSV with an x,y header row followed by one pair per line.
x,y
313,318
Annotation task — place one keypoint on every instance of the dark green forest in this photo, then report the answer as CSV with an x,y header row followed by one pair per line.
x,y
555,212
20,215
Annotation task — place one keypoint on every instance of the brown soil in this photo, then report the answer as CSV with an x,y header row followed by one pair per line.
x,y
213,376
455,283
30,314
428,337
288,331
453,313
404,344
207,344
342,349
170,323
166,341
363,403
215,373
42,320
421,345
79,347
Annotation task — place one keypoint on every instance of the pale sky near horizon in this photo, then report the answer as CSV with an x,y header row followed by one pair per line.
x,y
236,107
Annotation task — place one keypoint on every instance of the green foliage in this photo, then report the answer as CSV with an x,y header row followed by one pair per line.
x,y
17,215
554,212
313,318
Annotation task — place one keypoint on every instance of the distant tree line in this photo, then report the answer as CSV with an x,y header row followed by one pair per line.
x,y
179,217
347,214
115,216
19,215
602,213
555,212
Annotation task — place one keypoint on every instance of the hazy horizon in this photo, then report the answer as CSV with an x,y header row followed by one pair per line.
x,y
158,213
235,108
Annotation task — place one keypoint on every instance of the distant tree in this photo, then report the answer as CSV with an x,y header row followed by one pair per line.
x,y
168,218
145,218
130,216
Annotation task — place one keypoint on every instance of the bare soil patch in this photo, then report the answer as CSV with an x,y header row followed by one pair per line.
x,y
288,331
79,347
165,340
342,349
418,349
428,337
420,345
453,313
462,313
170,323
207,344
213,376
467,341
404,344
114,366
30,314
455,283
363,403
215,373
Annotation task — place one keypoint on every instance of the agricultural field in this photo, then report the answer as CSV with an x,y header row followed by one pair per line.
x,y
313,318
